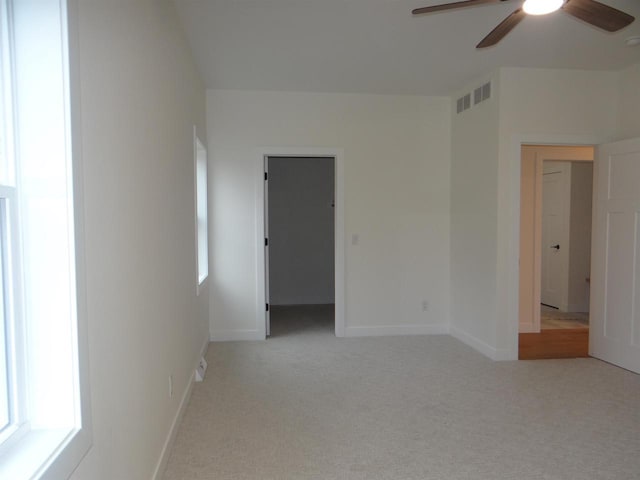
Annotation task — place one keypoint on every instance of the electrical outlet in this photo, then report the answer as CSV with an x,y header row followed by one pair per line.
x,y
170,386
425,306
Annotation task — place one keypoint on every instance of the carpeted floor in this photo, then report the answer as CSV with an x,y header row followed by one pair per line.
x,y
306,405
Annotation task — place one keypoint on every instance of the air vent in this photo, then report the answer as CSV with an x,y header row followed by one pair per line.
x,y
486,91
463,103
480,94
477,95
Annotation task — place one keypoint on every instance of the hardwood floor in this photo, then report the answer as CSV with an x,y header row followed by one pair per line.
x,y
562,335
554,343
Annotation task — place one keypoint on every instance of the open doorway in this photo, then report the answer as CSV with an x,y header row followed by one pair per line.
x,y
555,251
300,244
567,193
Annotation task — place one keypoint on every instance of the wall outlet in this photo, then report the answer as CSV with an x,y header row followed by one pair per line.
x,y
201,369
170,386
425,306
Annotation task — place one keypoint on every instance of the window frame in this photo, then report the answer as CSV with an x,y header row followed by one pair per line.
x,y
46,451
10,263
200,162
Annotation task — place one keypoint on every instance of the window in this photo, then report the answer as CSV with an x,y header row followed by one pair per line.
x,y
6,360
9,335
202,242
44,414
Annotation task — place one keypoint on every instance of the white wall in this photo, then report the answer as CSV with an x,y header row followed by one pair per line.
x,y
301,230
533,106
628,124
140,97
474,163
396,156
570,107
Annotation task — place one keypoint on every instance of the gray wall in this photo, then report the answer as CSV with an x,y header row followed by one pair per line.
x,y
580,235
301,230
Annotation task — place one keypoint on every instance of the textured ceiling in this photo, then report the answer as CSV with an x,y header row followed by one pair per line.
x,y
377,46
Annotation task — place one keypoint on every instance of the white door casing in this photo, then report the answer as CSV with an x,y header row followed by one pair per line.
x,y
532,161
615,260
260,154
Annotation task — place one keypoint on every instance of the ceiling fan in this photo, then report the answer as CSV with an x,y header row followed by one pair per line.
x,y
595,13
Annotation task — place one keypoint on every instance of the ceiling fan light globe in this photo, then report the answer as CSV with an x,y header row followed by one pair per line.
x,y
541,7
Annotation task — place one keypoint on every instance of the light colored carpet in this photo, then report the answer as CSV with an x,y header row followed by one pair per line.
x,y
306,405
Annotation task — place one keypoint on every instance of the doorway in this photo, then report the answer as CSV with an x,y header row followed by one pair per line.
x,y
555,251
300,233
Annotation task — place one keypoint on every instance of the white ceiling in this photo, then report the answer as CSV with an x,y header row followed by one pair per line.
x,y
377,46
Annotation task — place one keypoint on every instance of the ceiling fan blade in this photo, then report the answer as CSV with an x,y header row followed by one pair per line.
x,y
598,15
450,6
503,29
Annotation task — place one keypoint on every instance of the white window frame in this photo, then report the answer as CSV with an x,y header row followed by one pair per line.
x,y
201,221
51,417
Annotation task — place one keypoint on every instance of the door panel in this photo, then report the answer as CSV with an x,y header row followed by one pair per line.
x,y
554,223
615,301
267,317
619,277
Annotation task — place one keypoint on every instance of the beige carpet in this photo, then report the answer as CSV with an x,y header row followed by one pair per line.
x,y
306,405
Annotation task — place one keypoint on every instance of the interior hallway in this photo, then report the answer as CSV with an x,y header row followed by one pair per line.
x,y
307,405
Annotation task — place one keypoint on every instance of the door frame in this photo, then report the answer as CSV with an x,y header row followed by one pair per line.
x,y
260,228
538,154
508,263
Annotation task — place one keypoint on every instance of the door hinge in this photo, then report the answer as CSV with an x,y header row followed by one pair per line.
x,y
267,305
266,176
266,242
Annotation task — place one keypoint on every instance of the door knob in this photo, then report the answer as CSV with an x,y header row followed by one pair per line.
x,y
557,247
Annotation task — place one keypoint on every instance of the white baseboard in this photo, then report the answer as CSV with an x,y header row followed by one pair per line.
x,y
235,335
396,330
578,307
493,353
171,437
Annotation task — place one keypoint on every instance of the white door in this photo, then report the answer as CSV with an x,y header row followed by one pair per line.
x,y
555,246
615,259
267,318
